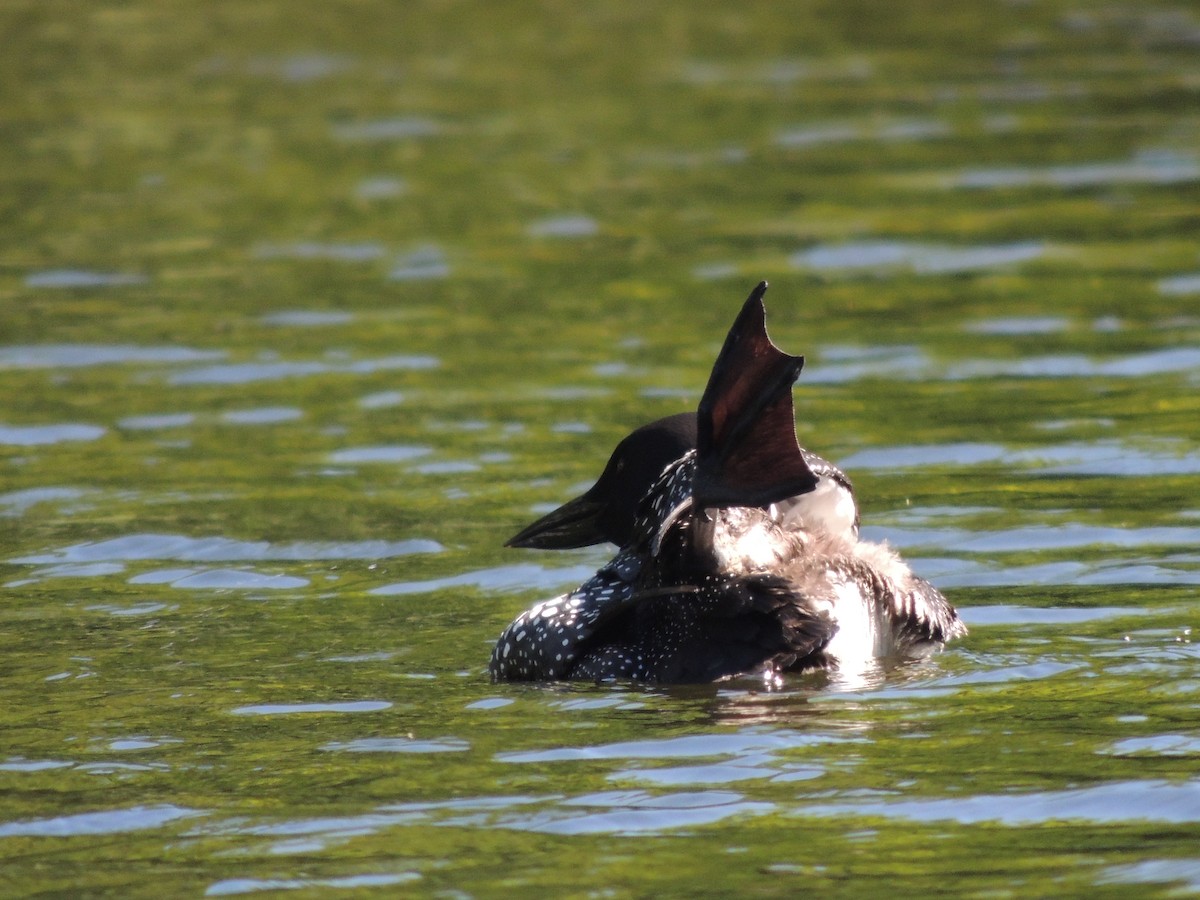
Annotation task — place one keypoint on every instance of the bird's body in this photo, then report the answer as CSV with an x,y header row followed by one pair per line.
x,y
738,551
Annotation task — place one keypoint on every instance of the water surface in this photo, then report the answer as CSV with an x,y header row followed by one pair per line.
x,y
304,310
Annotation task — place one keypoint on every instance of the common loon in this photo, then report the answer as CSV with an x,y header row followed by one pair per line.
x,y
738,556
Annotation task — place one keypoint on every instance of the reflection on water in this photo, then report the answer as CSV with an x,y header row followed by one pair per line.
x,y
423,264
1180,285
564,227
1144,168
398,128
1105,457
313,250
842,132
182,547
81,278
34,435
242,373
922,259
69,356
1122,801
115,821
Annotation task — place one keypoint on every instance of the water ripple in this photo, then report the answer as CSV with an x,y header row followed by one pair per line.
x,y
315,250
155,422
287,709
181,547
1180,285
74,356
923,259
220,579
264,415
688,746
1159,745
517,577
17,503
422,264
243,373
1104,457
564,227
1144,168
397,745
81,278
396,128
116,821
234,886
385,454
38,435
308,318
636,812
1122,801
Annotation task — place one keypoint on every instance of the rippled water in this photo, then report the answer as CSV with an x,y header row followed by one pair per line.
x,y
304,312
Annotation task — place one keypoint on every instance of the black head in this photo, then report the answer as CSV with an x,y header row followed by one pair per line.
x,y
606,511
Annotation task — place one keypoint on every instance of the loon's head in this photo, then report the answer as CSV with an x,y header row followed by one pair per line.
x,y
744,435
606,511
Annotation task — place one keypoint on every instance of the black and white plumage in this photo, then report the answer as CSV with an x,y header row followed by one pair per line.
x,y
740,556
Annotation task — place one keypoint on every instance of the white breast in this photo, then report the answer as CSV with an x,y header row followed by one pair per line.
x,y
829,507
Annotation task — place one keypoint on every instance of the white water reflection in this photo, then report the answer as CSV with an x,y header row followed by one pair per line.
x,y
17,503
956,573
156,422
1145,168
1158,745
821,133
37,435
393,453
1007,615
210,549
308,318
1180,285
381,400
244,373
73,356
749,742
1135,365
1182,874
1016,325
1062,536
116,821
923,259
1114,802
288,709
1104,457
397,745
266,415
82,278
423,264
380,187
220,579
233,886
567,226
842,364
517,577
634,812
336,252
391,129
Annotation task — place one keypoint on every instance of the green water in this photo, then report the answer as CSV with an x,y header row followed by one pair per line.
x,y
305,308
